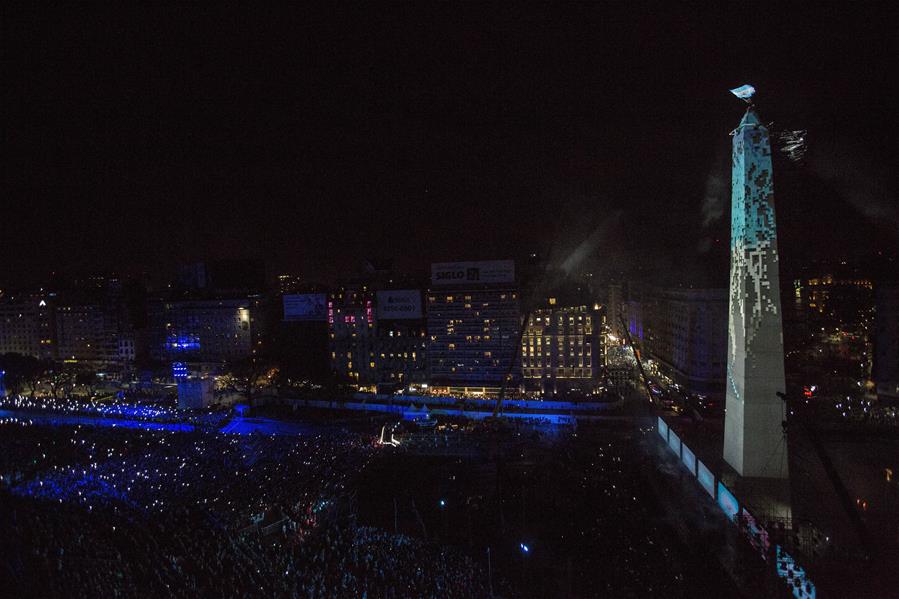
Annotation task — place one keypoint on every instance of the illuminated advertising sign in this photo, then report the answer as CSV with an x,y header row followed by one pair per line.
x,y
758,536
794,575
663,429
306,306
179,370
399,303
467,273
183,343
706,478
674,442
727,502
689,459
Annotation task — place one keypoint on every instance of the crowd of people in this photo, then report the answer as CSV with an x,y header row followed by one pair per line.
x,y
119,513
586,507
128,409
113,406
358,561
129,512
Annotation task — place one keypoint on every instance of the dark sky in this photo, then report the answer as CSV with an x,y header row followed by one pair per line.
x,y
137,138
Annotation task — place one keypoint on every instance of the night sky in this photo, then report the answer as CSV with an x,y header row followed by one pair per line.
x,y
139,138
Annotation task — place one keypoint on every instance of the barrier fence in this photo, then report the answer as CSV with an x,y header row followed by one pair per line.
x,y
785,565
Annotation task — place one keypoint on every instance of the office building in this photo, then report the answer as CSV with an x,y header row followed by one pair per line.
x,y
561,347
377,339
684,331
28,324
204,330
473,325
88,332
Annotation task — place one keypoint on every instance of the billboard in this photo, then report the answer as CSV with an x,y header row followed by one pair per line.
x,y
674,442
179,370
305,306
757,535
182,343
706,478
663,429
689,459
399,303
727,502
466,273
794,575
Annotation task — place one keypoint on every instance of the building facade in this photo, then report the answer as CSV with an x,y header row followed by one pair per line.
x,y
685,332
204,330
372,347
561,346
28,325
88,333
473,320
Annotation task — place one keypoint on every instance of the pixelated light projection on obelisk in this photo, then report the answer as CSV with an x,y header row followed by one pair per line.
x,y
753,434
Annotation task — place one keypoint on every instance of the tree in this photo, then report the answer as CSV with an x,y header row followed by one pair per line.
x,y
21,371
32,372
247,374
60,377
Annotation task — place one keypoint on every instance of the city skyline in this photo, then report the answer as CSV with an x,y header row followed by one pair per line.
x,y
449,300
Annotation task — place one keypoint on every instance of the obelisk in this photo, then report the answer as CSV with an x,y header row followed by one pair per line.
x,y
754,442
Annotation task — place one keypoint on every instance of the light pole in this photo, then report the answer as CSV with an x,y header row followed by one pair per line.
x,y
489,573
525,550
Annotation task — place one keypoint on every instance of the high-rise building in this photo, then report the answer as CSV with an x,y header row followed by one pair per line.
x,y
561,345
373,345
685,332
27,325
87,332
93,323
210,330
473,325
754,444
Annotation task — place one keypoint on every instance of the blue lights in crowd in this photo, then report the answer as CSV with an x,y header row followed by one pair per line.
x,y
81,486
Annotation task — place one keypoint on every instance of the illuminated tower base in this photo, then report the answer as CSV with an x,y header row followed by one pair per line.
x,y
754,441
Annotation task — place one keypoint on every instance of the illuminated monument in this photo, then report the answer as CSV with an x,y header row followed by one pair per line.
x,y
754,443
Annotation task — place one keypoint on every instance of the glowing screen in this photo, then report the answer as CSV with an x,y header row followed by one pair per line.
x,y
727,502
